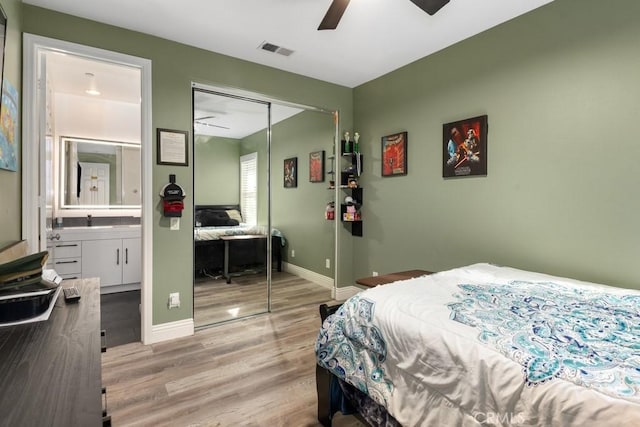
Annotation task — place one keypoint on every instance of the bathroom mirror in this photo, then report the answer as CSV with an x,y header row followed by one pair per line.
x,y
99,174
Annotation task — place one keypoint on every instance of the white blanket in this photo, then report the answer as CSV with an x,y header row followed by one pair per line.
x,y
511,348
214,233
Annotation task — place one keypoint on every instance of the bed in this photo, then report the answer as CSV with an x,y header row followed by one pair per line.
x,y
483,345
214,221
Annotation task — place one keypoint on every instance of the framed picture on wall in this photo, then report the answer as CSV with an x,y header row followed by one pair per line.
x,y
464,147
291,172
8,110
172,147
394,154
316,166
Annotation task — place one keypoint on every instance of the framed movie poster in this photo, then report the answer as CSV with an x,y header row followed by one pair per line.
x,y
291,172
316,166
464,147
394,154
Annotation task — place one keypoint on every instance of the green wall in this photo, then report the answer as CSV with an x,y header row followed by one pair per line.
x,y
560,90
11,182
297,212
175,67
560,87
217,170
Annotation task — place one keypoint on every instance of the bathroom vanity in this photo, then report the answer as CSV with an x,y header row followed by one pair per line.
x,y
112,253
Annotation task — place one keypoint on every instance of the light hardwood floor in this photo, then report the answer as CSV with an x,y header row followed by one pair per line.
x,y
258,371
216,301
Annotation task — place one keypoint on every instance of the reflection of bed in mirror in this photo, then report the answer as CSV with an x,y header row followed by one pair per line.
x,y
214,221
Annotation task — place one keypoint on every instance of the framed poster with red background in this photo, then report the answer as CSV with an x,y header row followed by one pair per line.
x,y
394,154
316,166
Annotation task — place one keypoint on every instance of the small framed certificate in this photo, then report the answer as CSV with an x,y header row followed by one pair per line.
x,y
172,147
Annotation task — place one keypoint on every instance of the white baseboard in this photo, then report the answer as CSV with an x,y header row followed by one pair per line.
x,y
171,330
341,293
312,276
186,327
346,292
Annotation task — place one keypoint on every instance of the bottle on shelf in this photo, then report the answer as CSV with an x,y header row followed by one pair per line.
x,y
347,144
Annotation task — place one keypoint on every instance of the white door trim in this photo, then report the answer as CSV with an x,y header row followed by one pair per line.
x,y
31,199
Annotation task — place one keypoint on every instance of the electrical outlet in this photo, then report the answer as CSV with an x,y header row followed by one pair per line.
x,y
375,273
293,253
327,263
174,300
175,224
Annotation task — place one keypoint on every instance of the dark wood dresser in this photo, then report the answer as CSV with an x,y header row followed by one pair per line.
x,y
50,371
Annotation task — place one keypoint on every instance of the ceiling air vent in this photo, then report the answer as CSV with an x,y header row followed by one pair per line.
x,y
270,47
284,51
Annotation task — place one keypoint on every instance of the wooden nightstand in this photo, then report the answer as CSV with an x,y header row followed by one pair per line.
x,y
372,281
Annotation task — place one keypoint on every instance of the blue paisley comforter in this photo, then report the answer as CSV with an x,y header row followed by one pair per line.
x,y
487,345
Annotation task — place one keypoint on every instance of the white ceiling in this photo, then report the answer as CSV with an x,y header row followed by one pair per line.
x,y
214,115
373,38
68,74
228,117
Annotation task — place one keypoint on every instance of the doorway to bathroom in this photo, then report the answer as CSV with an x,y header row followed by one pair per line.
x,y
72,121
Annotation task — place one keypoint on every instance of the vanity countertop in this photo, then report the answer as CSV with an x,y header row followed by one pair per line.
x,y
98,232
99,227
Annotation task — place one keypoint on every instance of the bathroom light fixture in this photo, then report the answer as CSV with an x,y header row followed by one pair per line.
x,y
93,89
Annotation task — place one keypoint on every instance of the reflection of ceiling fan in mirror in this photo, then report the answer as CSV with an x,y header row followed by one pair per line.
x,y
203,121
337,8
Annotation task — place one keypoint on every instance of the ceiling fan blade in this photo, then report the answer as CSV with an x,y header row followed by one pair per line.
x,y
333,15
430,6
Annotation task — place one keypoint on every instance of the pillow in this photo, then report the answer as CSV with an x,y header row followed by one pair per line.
x,y
214,218
235,215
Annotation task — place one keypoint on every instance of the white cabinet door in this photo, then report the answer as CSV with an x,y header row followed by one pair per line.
x,y
103,259
132,265
67,258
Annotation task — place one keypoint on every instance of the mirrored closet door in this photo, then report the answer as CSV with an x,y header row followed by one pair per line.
x,y
231,215
263,175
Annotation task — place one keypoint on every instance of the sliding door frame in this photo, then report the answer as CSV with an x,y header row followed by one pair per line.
x,y
244,95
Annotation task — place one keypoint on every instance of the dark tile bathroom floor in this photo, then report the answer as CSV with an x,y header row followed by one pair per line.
x,y
120,317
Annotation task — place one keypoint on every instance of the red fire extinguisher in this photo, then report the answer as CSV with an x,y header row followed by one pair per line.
x,y
330,211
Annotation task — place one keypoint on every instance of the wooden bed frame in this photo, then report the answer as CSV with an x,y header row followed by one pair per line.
x,y
209,254
323,377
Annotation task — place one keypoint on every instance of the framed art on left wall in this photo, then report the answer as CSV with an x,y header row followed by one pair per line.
x,y
291,172
172,147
